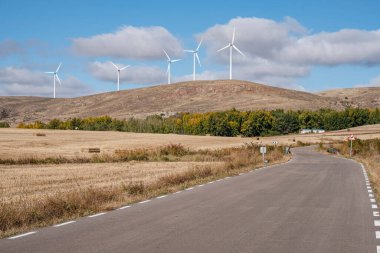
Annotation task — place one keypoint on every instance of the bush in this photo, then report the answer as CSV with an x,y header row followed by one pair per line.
x,y
4,125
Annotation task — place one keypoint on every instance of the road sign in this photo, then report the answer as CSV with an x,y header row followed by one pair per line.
x,y
263,150
351,137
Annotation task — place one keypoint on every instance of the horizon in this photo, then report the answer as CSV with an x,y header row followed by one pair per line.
x,y
290,46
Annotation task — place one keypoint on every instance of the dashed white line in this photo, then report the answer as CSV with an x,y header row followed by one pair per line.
x,y
188,189
219,180
372,200
96,215
368,187
145,201
211,182
63,224
377,223
177,192
374,206
370,195
378,249
240,174
163,196
200,185
227,177
377,234
123,207
370,191
376,214
22,235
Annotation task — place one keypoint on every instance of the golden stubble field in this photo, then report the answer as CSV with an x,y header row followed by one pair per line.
x,y
20,143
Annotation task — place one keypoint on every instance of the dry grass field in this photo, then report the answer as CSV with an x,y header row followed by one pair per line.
x,y
21,143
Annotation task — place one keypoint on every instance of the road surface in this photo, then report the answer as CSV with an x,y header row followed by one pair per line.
x,y
315,203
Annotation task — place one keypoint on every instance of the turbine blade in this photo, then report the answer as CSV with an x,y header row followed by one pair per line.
x,y
233,36
166,54
190,51
223,48
58,79
115,65
58,67
125,67
199,45
176,60
49,72
237,49
196,55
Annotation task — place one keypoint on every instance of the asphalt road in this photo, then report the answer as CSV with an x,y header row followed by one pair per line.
x,y
315,203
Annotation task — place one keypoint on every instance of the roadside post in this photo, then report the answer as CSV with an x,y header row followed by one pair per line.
x,y
351,138
263,151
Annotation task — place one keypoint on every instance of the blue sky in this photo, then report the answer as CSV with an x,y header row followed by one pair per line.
x,y
292,44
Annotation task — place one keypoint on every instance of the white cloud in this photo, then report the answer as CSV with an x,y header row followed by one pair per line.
x,y
105,71
23,82
130,42
374,82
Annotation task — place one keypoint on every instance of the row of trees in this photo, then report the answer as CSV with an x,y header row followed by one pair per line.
x,y
227,123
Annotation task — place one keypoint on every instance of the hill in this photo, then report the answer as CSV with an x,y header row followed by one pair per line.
x,y
365,97
196,96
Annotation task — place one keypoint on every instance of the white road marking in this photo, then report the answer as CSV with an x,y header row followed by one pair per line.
x,y
377,234
188,189
96,215
211,182
22,235
123,207
378,249
200,185
177,192
368,184
227,177
241,174
163,196
376,214
377,223
374,206
370,195
219,180
63,224
372,200
370,191
145,201
368,187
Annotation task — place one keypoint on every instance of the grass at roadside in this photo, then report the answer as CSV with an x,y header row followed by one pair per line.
x,y
366,152
25,212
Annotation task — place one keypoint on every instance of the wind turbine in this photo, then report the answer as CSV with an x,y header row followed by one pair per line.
x,y
170,61
195,55
118,74
231,46
55,73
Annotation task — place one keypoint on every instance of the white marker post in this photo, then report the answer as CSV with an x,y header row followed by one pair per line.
x,y
351,138
263,151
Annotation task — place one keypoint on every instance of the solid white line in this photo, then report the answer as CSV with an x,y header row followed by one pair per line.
x,y
372,200
63,224
377,234
188,189
123,207
96,215
374,206
22,235
376,214
377,223
163,196
145,201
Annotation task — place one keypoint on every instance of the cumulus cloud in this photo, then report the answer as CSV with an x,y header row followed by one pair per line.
x,y
24,82
130,42
10,47
105,71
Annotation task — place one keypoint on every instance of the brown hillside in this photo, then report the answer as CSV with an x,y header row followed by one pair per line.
x,y
198,96
365,97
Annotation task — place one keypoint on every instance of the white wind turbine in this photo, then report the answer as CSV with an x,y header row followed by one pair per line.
x,y
55,73
195,55
118,74
170,61
231,45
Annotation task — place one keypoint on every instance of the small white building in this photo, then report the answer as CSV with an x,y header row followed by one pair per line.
x,y
318,131
309,131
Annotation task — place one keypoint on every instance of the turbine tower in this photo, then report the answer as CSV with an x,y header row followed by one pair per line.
x,y
170,61
231,46
55,74
195,55
118,74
